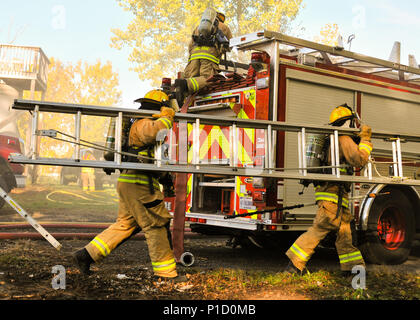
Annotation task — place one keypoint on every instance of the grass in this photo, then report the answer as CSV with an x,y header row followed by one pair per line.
x,y
324,285
69,201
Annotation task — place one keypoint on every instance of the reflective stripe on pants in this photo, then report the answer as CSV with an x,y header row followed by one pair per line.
x,y
350,257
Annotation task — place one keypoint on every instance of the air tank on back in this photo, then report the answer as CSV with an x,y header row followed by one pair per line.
x,y
110,138
205,27
315,151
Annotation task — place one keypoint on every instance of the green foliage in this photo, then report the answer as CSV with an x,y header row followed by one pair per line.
x,y
160,30
236,284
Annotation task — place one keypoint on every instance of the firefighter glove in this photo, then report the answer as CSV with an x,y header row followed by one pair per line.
x,y
365,132
165,112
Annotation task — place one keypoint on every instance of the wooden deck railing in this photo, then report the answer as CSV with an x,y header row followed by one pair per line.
x,y
23,62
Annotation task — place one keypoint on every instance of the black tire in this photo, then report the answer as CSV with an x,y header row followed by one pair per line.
x,y
6,188
390,230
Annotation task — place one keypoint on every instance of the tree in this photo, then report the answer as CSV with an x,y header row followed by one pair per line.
x,y
161,29
328,35
80,83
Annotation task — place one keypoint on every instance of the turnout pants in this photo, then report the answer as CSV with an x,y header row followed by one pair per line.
x,y
88,181
325,221
197,72
139,209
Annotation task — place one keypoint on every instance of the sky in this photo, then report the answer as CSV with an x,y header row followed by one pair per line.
x,y
74,30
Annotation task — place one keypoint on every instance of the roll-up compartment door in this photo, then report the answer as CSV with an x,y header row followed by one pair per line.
x,y
307,103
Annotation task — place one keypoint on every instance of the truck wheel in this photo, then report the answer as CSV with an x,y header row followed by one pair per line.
x,y
391,229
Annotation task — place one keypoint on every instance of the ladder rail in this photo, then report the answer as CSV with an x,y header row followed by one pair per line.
x,y
30,105
234,124
30,219
211,169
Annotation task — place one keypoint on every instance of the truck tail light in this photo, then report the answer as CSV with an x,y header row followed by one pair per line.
x,y
258,196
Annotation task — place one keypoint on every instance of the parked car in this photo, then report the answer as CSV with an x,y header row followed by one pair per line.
x,y
8,145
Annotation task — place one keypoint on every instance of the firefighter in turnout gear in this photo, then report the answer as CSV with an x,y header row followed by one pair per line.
x,y
333,213
141,205
88,174
209,41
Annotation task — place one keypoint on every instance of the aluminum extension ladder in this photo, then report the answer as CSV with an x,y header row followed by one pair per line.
x,y
268,169
31,221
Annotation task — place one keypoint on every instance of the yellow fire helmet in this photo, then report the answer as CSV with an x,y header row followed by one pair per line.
x,y
340,114
153,100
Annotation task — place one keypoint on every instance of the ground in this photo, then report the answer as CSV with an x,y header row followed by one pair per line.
x,y
219,272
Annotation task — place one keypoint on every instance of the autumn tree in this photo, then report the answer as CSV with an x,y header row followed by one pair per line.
x,y
328,35
82,83
79,83
160,30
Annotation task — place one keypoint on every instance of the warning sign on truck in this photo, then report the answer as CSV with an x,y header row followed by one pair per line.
x,y
246,203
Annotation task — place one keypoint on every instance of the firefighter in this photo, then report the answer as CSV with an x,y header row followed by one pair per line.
x,y
209,41
333,205
141,205
88,174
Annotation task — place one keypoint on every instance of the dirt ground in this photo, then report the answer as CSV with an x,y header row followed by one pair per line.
x,y
219,272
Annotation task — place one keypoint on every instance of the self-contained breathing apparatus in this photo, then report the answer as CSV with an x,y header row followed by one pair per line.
x,y
317,152
209,33
145,154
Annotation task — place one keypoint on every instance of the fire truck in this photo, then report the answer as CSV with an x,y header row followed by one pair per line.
x,y
239,147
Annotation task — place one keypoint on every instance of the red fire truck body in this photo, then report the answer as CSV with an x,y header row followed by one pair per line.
x,y
305,90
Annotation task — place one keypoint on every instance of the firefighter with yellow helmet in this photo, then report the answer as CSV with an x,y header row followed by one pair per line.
x,y
141,205
209,41
332,198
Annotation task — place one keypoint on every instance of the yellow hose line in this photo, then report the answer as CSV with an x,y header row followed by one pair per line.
x,y
90,201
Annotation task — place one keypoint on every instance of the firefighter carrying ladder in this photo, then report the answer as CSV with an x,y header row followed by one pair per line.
x,y
268,170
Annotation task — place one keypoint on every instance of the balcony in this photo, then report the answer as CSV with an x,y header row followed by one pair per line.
x,y
24,68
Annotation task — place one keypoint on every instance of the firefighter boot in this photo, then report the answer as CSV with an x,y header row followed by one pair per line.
x,y
83,260
290,268
181,88
177,279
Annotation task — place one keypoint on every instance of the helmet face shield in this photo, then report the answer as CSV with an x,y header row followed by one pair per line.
x,y
221,17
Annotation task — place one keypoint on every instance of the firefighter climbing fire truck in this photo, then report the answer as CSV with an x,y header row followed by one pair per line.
x,y
240,148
